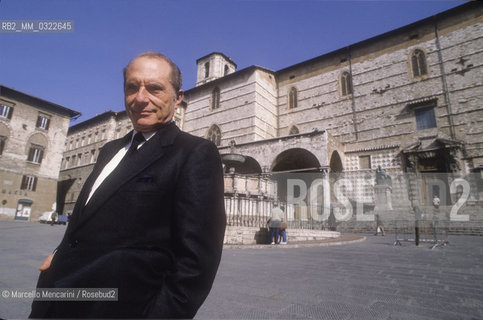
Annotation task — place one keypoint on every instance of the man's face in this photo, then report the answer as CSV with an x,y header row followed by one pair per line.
x,y
149,97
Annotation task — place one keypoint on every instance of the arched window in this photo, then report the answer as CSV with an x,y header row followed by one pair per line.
x,y
37,144
345,84
214,135
292,98
293,130
215,98
419,65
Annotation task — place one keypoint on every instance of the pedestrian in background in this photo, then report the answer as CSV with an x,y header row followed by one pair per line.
x,y
53,218
379,226
275,222
436,203
283,232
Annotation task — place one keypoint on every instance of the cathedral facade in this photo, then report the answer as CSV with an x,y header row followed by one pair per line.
x,y
408,102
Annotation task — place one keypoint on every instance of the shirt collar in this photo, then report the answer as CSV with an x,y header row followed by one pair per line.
x,y
146,135
149,135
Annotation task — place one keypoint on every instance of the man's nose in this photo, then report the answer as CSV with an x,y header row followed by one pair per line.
x,y
141,95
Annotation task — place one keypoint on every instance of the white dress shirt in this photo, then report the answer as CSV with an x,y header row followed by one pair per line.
x,y
111,165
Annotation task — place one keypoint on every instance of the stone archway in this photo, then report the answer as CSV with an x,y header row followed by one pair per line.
x,y
240,164
299,164
295,160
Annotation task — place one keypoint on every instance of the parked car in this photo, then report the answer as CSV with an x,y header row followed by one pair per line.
x,y
46,217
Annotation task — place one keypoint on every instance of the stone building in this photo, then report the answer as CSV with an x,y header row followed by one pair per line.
x,y
32,136
409,101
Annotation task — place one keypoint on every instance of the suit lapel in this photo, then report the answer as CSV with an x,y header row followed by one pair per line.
x,y
100,164
152,150
109,150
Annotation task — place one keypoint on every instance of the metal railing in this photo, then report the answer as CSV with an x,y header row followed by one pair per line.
x,y
434,232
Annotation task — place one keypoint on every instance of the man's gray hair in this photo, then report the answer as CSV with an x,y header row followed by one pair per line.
x,y
176,78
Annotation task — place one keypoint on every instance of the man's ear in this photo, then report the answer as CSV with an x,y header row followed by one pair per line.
x,y
179,97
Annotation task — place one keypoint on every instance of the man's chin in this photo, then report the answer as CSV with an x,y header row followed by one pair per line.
x,y
147,127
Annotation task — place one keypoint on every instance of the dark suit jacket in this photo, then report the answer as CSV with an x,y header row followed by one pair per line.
x,y
153,229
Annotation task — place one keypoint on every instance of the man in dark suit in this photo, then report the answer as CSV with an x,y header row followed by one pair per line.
x,y
150,218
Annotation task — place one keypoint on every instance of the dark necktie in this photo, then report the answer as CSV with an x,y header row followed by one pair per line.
x,y
138,138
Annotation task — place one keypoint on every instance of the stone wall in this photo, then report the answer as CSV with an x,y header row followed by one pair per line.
x,y
252,235
235,116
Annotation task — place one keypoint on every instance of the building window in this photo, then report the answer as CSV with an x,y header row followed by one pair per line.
x,y
345,84
3,142
43,122
425,118
292,98
215,98
214,135
86,157
6,111
207,69
36,154
419,66
227,69
293,130
29,183
364,162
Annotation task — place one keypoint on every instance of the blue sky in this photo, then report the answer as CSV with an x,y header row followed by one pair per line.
x,y
82,70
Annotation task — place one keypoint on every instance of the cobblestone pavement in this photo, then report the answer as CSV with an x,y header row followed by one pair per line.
x,y
369,279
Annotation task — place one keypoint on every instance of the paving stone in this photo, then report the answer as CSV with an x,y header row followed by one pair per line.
x,y
365,280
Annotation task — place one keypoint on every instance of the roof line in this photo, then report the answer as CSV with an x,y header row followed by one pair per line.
x,y
292,136
381,36
220,53
70,112
228,76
